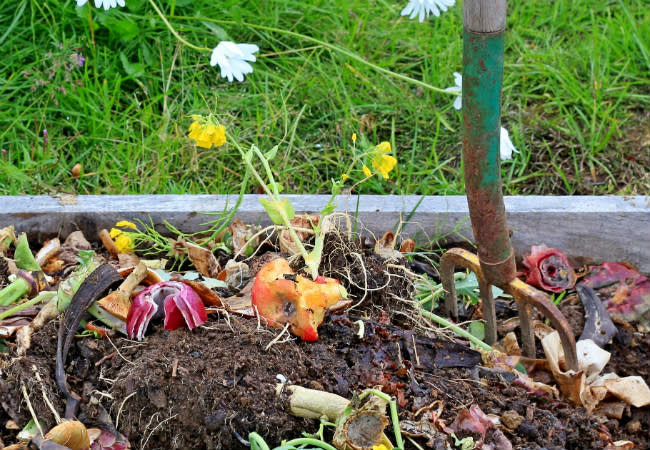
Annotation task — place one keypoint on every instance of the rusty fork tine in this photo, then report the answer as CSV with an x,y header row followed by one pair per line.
x,y
452,258
526,296
458,257
489,310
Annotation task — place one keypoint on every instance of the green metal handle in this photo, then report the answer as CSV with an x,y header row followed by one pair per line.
x,y
483,47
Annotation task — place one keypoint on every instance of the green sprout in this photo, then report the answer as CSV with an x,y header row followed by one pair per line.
x,y
280,210
466,443
257,442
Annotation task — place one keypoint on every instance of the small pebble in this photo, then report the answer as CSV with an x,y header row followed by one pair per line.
x,y
511,419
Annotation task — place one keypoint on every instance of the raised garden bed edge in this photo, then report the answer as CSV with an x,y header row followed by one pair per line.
x,y
587,228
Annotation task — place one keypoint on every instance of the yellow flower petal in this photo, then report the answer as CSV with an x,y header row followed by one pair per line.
x,y
354,137
204,141
383,147
345,176
384,164
195,126
114,232
381,446
208,135
366,171
125,224
219,136
124,243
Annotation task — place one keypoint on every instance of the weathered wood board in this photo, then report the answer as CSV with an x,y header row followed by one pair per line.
x,y
593,227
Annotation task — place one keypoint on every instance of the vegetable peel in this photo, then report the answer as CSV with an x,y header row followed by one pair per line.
x,y
181,305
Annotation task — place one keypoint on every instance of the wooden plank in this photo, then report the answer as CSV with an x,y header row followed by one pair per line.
x,y
484,16
592,227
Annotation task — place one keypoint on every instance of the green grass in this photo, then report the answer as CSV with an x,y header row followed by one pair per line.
x,y
575,96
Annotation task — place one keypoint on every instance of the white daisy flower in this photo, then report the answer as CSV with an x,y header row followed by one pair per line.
x,y
422,8
232,58
506,147
107,4
458,80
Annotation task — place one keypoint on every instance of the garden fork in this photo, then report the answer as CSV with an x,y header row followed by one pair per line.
x,y
483,46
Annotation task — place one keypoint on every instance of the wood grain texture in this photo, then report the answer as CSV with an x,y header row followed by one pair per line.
x,y
593,227
484,16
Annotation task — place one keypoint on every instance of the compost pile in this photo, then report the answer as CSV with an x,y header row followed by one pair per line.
x,y
216,373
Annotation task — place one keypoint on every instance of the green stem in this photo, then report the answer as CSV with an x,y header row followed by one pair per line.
x,y
15,290
309,441
174,32
269,172
298,242
23,255
456,329
233,211
394,417
325,44
275,196
252,169
257,442
42,297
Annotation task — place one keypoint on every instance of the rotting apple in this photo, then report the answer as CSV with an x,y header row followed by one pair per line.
x,y
280,296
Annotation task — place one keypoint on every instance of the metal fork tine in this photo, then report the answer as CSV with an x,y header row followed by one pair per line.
x,y
525,297
458,257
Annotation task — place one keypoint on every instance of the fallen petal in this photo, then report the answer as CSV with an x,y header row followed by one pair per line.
x,y
591,358
473,420
141,312
632,389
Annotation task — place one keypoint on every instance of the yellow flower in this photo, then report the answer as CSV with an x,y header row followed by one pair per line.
x,y
125,224
383,147
114,233
366,171
208,134
217,134
345,176
124,243
380,446
354,138
383,163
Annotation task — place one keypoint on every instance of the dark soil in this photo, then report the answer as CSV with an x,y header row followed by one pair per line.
x,y
211,387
